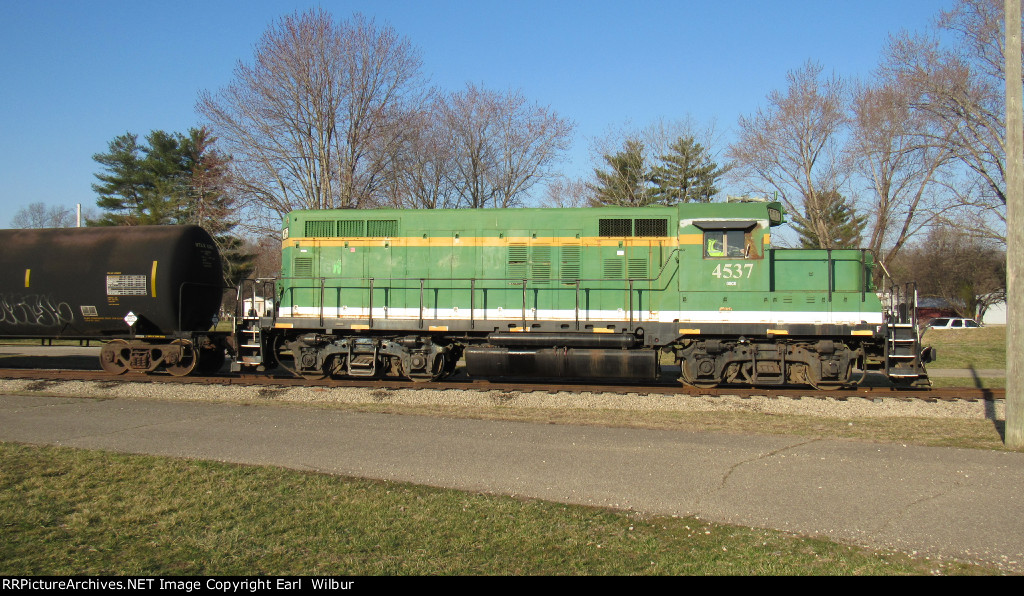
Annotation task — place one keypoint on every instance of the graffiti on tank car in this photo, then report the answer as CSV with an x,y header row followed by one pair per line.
x,y
33,310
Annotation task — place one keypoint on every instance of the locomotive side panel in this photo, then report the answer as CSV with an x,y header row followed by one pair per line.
x,y
536,291
464,265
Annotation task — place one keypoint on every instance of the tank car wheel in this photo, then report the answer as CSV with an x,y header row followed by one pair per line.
x,y
187,358
111,358
211,360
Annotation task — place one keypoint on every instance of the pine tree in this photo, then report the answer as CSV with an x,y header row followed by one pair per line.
x,y
626,183
122,187
687,174
172,179
143,184
844,227
210,204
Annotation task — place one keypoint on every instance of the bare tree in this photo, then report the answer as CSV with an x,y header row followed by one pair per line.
x,y
38,215
968,272
961,86
893,148
422,169
659,136
792,146
501,145
314,121
563,192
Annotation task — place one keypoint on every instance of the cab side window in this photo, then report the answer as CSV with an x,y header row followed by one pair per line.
x,y
726,244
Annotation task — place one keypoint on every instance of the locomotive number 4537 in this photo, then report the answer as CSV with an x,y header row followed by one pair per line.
x,y
727,271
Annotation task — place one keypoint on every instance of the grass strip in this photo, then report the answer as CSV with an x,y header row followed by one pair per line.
x,y
981,348
909,430
73,512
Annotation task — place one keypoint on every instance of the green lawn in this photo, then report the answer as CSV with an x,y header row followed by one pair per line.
x,y
982,348
80,512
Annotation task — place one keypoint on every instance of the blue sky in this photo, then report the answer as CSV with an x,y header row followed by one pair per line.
x,y
75,74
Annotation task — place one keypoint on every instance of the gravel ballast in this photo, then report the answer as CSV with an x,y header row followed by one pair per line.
x,y
854,407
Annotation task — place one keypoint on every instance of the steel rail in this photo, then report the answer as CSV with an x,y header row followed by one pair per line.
x,y
665,387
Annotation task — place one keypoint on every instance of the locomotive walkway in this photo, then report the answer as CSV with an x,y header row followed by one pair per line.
x,y
950,503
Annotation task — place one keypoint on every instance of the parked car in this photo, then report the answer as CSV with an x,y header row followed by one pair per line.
x,y
952,323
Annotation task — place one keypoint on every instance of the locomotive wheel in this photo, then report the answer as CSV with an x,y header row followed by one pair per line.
x,y
283,357
702,385
813,380
311,373
111,358
439,367
335,366
286,359
688,377
187,358
827,386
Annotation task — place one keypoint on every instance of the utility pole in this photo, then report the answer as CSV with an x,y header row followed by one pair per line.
x,y
1014,432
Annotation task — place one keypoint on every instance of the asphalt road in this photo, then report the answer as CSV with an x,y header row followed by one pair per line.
x,y
955,503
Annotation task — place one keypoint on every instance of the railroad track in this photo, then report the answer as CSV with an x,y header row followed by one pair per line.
x,y
669,387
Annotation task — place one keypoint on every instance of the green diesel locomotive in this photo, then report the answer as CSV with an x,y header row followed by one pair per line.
x,y
585,293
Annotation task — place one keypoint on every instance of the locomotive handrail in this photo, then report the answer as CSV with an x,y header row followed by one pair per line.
x,y
515,279
576,285
253,283
370,282
831,274
863,275
831,262
525,281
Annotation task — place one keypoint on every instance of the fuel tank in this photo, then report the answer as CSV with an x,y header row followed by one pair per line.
x,y
582,363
